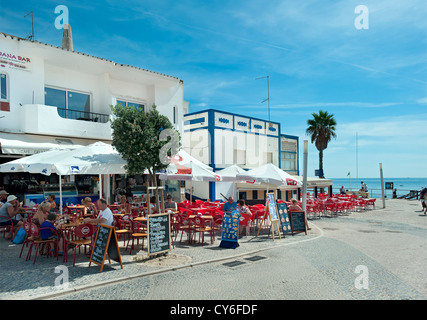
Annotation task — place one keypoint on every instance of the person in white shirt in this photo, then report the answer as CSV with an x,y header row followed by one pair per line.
x,y
105,215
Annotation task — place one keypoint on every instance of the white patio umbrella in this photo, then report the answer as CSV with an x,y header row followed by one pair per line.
x,y
97,158
19,165
198,173
229,174
270,174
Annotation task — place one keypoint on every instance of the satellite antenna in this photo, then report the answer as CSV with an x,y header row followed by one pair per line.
x,y
31,37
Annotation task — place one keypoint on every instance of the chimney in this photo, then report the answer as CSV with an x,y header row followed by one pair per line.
x,y
67,38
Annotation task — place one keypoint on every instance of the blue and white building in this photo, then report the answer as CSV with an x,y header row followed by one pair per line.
x,y
220,139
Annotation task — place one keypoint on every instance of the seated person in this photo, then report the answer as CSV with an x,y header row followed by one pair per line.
x,y
105,215
294,206
53,206
41,214
243,209
9,210
153,206
170,204
89,209
125,206
46,234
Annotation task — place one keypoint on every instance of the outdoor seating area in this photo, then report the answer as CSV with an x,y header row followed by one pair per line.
x,y
194,223
338,204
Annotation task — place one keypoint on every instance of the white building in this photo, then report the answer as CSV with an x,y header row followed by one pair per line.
x,y
54,96
220,139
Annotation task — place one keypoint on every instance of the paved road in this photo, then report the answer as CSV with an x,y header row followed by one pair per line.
x,y
377,254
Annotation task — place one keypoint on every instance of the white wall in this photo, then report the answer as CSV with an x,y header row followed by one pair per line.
x,y
104,80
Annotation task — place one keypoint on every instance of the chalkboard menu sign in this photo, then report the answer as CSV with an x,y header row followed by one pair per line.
x,y
230,230
105,243
298,222
285,222
158,226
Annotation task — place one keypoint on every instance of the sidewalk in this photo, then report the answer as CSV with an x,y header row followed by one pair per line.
x,y
22,279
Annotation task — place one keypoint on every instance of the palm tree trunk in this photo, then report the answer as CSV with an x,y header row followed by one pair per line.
x,y
321,163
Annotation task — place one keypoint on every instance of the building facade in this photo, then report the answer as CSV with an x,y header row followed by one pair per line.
x,y
56,96
220,139
52,96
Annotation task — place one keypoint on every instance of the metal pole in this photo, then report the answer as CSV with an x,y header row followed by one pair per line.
x,y
304,180
382,183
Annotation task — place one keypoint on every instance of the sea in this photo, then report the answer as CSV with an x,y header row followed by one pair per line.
x,y
402,185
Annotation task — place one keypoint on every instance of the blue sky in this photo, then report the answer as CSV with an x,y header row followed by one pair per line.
x,y
373,80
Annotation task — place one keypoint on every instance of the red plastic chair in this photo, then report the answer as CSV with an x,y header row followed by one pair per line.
x,y
37,241
122,226
139,231
184,227
28,239
81,235
330,208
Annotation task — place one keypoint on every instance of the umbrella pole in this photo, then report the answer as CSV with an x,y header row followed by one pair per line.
x,y
60,194
100,186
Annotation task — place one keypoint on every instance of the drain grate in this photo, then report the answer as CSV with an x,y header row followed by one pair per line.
x,y
255,258
233,263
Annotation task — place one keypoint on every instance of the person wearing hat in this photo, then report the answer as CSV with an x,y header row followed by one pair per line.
x,y
8,211
3,196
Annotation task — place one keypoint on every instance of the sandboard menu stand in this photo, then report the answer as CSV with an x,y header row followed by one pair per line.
x,y
230,230
105,243
298,222
271,212
158,232
284,220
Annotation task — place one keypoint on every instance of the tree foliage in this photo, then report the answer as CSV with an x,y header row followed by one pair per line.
x,y
321,128
144,140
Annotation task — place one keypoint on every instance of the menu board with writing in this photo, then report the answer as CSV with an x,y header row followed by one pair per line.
x,y
158,230
105,243
298,222
285,222
230,230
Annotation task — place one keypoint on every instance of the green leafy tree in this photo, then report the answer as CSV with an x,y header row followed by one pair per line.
x,y
321,129
145,140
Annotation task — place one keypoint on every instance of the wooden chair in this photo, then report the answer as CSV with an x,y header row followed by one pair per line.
x,y
200,226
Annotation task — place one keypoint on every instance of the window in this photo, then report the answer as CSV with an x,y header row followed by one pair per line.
x,y
3,86
239,156
130,104
268,157
70,104
288,161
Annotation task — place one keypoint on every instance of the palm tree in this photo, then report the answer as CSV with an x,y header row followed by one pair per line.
x,y
322,129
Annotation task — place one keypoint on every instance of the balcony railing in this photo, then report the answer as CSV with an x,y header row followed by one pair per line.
x,y
83,115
